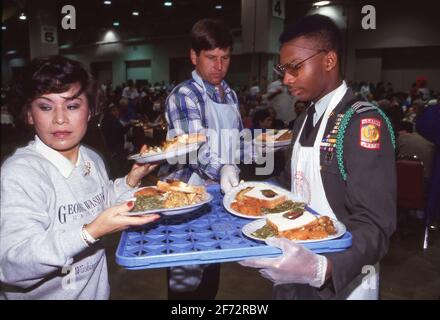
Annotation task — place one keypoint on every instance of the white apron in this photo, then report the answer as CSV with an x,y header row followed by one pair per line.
x,y
307,186
218,116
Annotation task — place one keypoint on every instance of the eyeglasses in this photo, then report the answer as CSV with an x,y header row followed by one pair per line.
x,y
291,68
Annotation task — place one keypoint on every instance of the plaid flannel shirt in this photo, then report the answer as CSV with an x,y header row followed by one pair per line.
x,y
185,113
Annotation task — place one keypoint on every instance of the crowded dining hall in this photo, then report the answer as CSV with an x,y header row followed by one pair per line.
x,y
220,150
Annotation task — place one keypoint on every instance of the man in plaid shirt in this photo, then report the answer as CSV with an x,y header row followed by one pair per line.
x,y
205,102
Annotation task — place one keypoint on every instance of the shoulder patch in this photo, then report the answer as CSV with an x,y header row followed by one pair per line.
x,y
370,133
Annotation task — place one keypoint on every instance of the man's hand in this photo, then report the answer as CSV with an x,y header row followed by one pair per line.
x,y
297,264
228,177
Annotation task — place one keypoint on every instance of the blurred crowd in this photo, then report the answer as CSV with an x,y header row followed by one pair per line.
x,y
123,108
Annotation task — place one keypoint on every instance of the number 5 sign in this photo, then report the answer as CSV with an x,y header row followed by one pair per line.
x,y
278,9
49,35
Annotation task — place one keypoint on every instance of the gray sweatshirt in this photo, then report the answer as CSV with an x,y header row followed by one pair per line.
x,y
45,200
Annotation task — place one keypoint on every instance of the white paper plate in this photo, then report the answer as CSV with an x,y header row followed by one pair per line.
x,y
272,146
251,227
160,156
230,197
129,196
275,144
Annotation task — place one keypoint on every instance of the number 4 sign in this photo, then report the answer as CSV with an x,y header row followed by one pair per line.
x,y
278,9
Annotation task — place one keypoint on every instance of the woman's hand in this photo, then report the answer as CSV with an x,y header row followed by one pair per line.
x,y
114,219
138,171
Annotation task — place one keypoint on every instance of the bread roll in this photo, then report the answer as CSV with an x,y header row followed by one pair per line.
x,y
179,186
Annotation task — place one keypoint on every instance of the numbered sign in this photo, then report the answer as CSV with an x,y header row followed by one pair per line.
x,y
49,35
278,8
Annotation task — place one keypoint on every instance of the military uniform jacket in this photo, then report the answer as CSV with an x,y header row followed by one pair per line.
x,y
365,202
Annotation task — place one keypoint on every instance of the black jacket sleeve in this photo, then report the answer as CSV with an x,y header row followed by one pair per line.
x,y
369,200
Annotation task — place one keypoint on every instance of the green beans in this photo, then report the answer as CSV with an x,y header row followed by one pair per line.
x,y
144,203
286,206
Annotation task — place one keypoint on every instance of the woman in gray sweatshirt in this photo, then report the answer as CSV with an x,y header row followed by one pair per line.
x,y
56,198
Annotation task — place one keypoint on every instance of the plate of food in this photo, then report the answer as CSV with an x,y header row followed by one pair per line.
x,y
172,197
302,228
169,149
274,139
255,200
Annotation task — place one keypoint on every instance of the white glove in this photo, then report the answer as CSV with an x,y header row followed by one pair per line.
x,y
228,177
297,264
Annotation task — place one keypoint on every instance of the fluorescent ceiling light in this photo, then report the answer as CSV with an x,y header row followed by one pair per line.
x,y
107,2
110,36
321,3
219,7
66,46
167,3
135,13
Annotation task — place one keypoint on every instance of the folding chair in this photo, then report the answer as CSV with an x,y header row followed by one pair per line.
x,y
411,187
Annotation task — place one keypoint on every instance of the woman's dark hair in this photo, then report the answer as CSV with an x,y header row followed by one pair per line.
x,y
318,27
52,74
208,34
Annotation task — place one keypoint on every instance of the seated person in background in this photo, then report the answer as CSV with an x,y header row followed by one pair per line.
x,y
247,119
281,100
114,135
6,116
423,90
130,92
414,111
300,106
276,123
7,125
263,120
254,90
124,113
155,116
56,198
410,143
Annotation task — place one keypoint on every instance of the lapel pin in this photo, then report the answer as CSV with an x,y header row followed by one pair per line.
x,y
87,168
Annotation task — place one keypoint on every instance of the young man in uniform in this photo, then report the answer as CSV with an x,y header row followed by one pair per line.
x,y
342,164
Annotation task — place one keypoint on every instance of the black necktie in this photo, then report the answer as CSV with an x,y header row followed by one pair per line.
x,y
308,126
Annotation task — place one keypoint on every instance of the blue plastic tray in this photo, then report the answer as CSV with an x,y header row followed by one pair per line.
x,y
209,235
